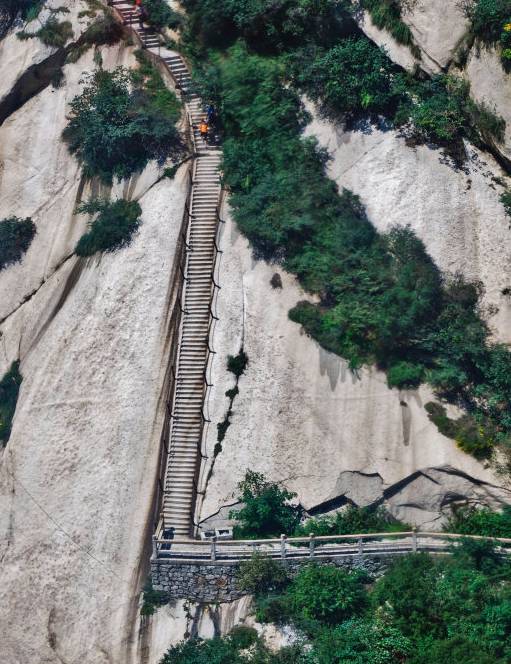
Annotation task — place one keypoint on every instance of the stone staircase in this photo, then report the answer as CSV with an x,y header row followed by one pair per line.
x,y
187,417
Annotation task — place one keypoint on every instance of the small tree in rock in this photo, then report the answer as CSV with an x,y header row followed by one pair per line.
x,y
267,510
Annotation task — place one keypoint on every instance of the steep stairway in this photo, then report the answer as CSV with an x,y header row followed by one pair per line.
x,y
187,418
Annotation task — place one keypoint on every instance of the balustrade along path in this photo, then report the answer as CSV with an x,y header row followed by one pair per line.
x,y
190,383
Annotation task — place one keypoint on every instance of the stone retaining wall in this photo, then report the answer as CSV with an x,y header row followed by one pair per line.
x,y
214,581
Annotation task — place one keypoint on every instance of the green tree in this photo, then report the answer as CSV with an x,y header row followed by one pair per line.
x,y
266,510
352,519
480,521
260,574
326,594
407,593
361,641
16,236
112,228
9,391
114,130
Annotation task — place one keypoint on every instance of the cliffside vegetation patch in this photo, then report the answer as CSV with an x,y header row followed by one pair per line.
x,y
122,120
10,9
9,390
161,15
53,32
423,610
386,15
16,236
112,228
491,24
270,510
236,364
382,299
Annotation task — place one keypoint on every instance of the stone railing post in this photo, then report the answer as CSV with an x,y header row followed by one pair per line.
x,y
414,539
283,539
155,547
312,545
213,548
360,546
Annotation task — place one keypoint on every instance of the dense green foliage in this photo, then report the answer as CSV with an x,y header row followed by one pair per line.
x,y
53,33
326,594
474,437
237,364
424,610
15,237
491,24
10,9
266,25
480,521
152,599
352,520
9,390
505,199
121,120
354,77
112,228
266,510
160,15
241,646
386,15
383,300
260,574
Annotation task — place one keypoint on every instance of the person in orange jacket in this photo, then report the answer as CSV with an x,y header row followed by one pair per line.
x,y
203,129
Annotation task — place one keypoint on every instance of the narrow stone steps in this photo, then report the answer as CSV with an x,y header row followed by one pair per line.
x,y
187,405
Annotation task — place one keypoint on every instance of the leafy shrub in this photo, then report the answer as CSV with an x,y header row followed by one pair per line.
x,y
326,594
15,237
197,651
9,390
53,33
152,599
160,15
386,15
505,199
113,227
352,520
405,375
488,18
472,437
272,608
242,637
237,364
267,26
115,130
104,30
351,77
407,591
260,574
444,112
457,649
382,299
362,641
480,521
9,10
266,511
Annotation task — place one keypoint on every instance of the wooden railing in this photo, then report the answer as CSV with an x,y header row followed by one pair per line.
x,y
316,547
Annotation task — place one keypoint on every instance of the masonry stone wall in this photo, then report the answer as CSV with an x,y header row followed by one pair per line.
x,y
215,581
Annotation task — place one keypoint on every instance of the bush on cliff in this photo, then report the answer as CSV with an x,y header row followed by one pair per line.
x,y
9,390
266,510
15,237
120,122
112,228
382,299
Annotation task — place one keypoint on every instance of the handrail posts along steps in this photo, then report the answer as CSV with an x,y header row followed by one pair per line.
x,y
199,283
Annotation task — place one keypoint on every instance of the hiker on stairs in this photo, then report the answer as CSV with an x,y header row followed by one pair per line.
x,y
203,129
